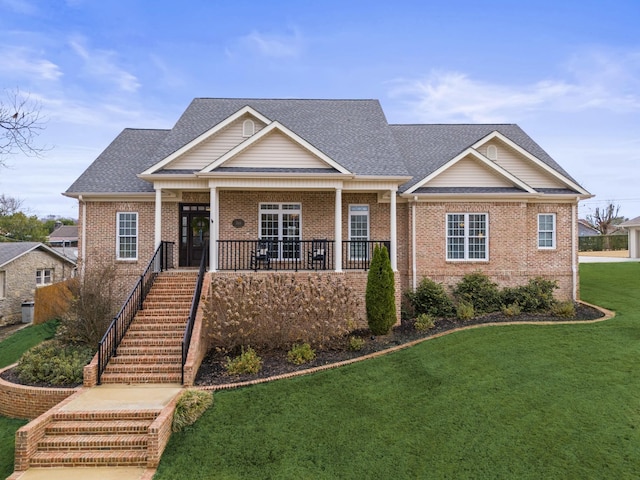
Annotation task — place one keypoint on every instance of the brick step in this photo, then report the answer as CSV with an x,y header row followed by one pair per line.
x,y
151,342
118,458
178,332
168,326
144,358
141,368
150,350
88,427
159,319
182,293
106,415
165,313
123,378
93,442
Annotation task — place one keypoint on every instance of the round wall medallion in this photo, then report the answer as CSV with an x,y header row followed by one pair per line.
x,y
238,223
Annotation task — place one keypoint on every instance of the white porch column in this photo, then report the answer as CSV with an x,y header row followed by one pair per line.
x,y
158,218
393,230
338,231
213,230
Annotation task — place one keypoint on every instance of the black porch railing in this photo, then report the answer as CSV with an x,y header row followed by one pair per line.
x,y
295,255
162,260
195,302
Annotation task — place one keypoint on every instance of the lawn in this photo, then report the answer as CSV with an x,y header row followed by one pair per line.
x,y
10,351
501,402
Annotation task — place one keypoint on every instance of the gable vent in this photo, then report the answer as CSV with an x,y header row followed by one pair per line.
x,y
248,128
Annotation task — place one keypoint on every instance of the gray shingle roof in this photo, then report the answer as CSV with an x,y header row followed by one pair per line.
x,y
9,251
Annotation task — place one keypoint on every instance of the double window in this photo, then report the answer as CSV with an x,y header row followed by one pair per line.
x,y
127,238
546,231
44,276
281,222
467,236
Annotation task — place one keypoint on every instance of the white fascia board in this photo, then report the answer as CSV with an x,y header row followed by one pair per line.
x,y
201,138
474,153
275,125
533,158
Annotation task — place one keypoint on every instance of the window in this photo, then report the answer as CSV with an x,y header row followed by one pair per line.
x,y
547,230
3,287
358,231
467,236
127,241
248,128
281,222
44,276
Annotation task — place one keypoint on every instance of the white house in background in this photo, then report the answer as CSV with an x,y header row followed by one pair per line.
x,y
633,227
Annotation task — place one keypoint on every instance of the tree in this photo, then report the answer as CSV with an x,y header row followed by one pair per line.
x,y
380,295
9,205
604,220
20,228
20,123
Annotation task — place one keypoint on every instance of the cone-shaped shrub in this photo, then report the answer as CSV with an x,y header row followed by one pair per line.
x,y
380,295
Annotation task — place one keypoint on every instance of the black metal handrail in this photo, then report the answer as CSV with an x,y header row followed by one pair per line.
x,y
162,260
195,302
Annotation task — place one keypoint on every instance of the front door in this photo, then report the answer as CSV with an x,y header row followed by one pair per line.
x,y
194,233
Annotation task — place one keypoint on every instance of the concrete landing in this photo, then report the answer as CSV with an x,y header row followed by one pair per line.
x,y
81,473
123,397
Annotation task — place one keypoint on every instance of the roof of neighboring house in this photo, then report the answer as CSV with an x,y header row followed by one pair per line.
x,y
9,251
634,222
64,232
353,133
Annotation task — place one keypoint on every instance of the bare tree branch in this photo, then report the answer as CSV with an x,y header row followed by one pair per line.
x,y
9,205
604,220
21,122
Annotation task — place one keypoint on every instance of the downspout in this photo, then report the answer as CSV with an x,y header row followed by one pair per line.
x,y
414,268
83,208
574,249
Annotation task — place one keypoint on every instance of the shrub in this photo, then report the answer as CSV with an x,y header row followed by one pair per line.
x,y
511,310
247,362
273,312
465,311
430,298
190,406
476,289
424,322
54,363
535,296
564,309
355,343
301,353
380,293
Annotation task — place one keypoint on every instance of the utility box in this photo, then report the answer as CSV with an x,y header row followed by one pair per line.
x,y
27,311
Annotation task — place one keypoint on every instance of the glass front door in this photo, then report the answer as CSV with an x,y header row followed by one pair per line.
x,y
194,233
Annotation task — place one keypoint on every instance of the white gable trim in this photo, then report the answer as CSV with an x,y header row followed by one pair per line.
x,y
533,158
264,132
203,137
478,156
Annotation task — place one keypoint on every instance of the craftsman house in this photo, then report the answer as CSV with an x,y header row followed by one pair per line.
x,y
298,185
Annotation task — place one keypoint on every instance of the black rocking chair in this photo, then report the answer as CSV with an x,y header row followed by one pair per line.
x,y
317,257
261,256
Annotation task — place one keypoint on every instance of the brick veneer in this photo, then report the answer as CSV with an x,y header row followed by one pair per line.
x,y
23,401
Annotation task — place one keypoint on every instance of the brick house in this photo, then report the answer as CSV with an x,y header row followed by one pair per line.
x,y
302,185
25,266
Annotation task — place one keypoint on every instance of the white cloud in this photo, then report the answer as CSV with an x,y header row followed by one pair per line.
x,y
270,45
102,64
26,63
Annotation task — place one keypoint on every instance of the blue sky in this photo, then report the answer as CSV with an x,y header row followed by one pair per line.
x,y
568,72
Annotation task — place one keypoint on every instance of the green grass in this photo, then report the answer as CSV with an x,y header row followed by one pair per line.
x,y
524,402
11,349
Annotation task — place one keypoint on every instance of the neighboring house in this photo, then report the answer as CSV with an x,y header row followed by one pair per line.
x,y
64,239
633,227
585,229
25,266
330,177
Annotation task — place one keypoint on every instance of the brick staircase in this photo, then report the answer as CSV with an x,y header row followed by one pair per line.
x,y
151,351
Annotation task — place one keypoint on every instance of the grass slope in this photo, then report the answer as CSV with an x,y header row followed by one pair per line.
x,y
501,402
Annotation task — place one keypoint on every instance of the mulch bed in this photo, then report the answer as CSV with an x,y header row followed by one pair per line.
x,y
212,371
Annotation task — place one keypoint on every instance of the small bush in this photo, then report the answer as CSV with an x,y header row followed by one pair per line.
x,y
465,311
301,353
355,343
424,322
476,289
511,310
430,298
54,363
190,406
247,362
564,309
535,296
380,296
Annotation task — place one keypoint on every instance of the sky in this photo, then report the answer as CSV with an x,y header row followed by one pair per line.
x,y
567,72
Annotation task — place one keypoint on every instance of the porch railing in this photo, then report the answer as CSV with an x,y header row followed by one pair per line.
x,y
162,260
195,302
296,255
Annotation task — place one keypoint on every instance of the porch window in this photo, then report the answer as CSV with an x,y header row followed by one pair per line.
x,y
281,222
547,231
44,276
127,238
3,292
358,231
467,236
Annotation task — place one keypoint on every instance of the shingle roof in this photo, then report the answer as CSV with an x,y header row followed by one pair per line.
x,y
9,251
65,232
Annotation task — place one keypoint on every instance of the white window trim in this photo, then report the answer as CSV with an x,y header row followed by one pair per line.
x,y
466,237
41,277
553,232
118,257
358,213
280,211
3,284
